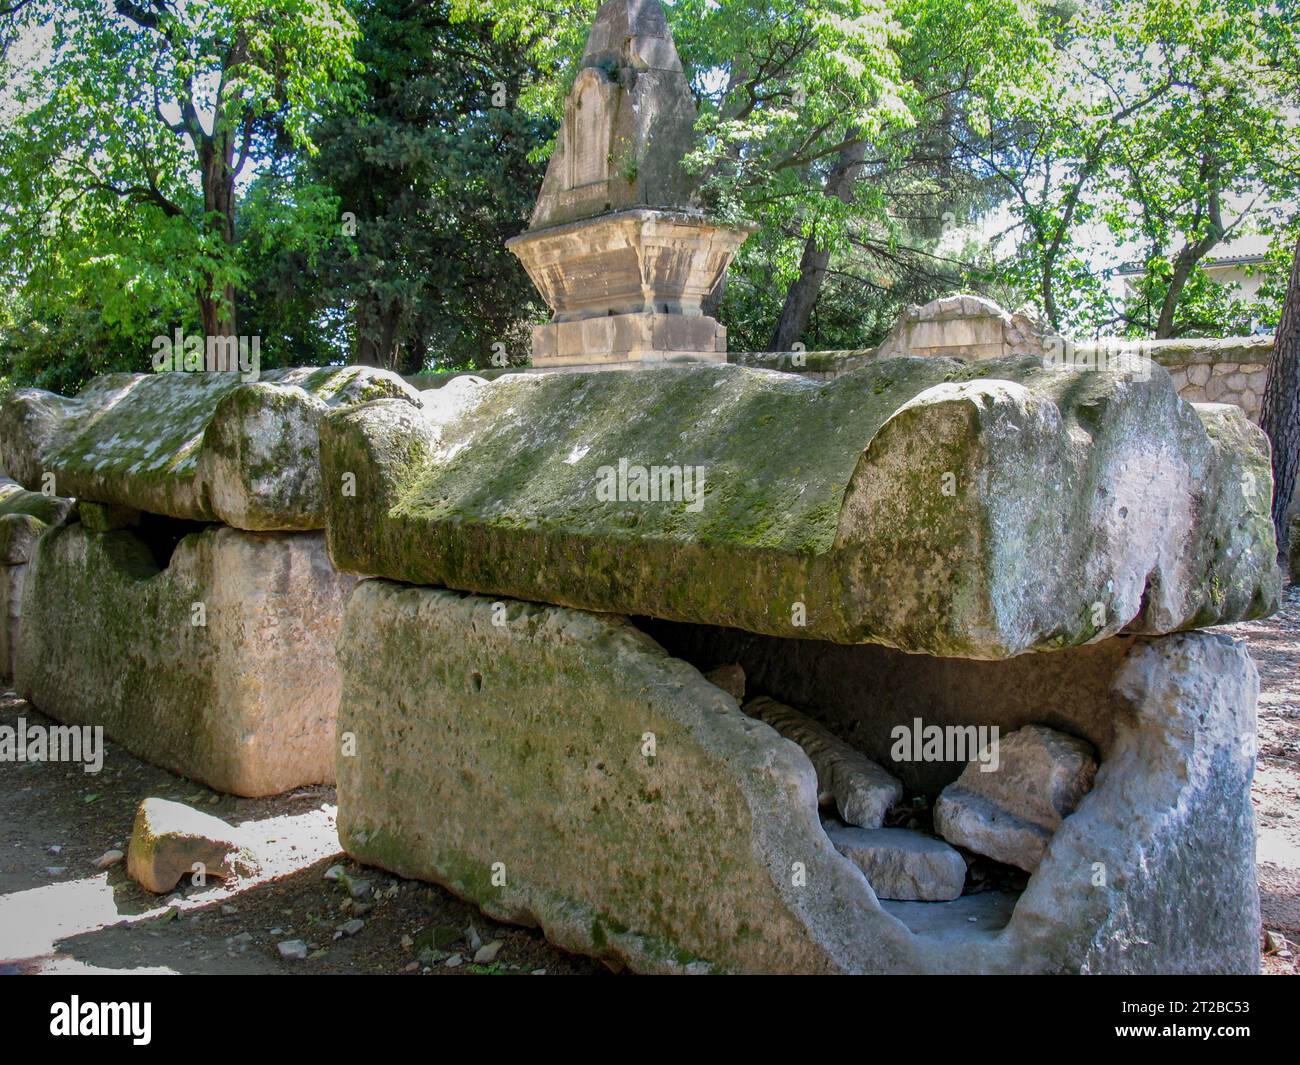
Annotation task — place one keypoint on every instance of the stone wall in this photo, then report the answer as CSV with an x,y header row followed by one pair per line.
x,y
1227,370
1231,370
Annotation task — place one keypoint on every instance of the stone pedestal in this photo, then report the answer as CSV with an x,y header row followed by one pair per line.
x,y
628,289
627,342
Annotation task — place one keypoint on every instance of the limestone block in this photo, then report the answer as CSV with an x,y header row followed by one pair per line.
x,y
615,279
974,510
196,446
24,518
965,327
219,666
169,838
1011,812
504,756
901,864
628,121
859,788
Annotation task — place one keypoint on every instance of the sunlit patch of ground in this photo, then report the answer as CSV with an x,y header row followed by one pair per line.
x,y
59,914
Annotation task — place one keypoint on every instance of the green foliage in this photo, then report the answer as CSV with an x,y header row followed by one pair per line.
x,y
435,168
125,128
336,177
1160,132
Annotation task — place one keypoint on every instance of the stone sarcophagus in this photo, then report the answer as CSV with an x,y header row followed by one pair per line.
x,y
616,246
723,669
187,604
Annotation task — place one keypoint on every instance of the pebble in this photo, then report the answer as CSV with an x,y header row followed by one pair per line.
x,y
454,961
358,889
334,872
55,848
55,870
292,950
108,858
352,927
229,910
487,953
472,938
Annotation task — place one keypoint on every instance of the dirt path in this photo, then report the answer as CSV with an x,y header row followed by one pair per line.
x,y
58,913
1275,646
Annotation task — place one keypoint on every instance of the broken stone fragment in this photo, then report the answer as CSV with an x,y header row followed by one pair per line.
x,y
169,839
860,789
973,510
901,864
1011,813
730,678
292,950
197,446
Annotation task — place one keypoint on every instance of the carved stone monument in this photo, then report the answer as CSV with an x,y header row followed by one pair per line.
x,y
616,246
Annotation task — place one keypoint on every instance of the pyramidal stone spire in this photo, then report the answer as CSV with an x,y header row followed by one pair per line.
x,y
618,246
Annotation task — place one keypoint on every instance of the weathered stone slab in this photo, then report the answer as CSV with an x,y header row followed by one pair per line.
x,y
1009,810
169,839
198,446
966,327
901,864
972,510
679,834
859,788
219,667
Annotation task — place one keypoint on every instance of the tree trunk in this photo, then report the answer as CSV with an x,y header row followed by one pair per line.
x,y
802,295
1280,411
378,333
217,309
1183,264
